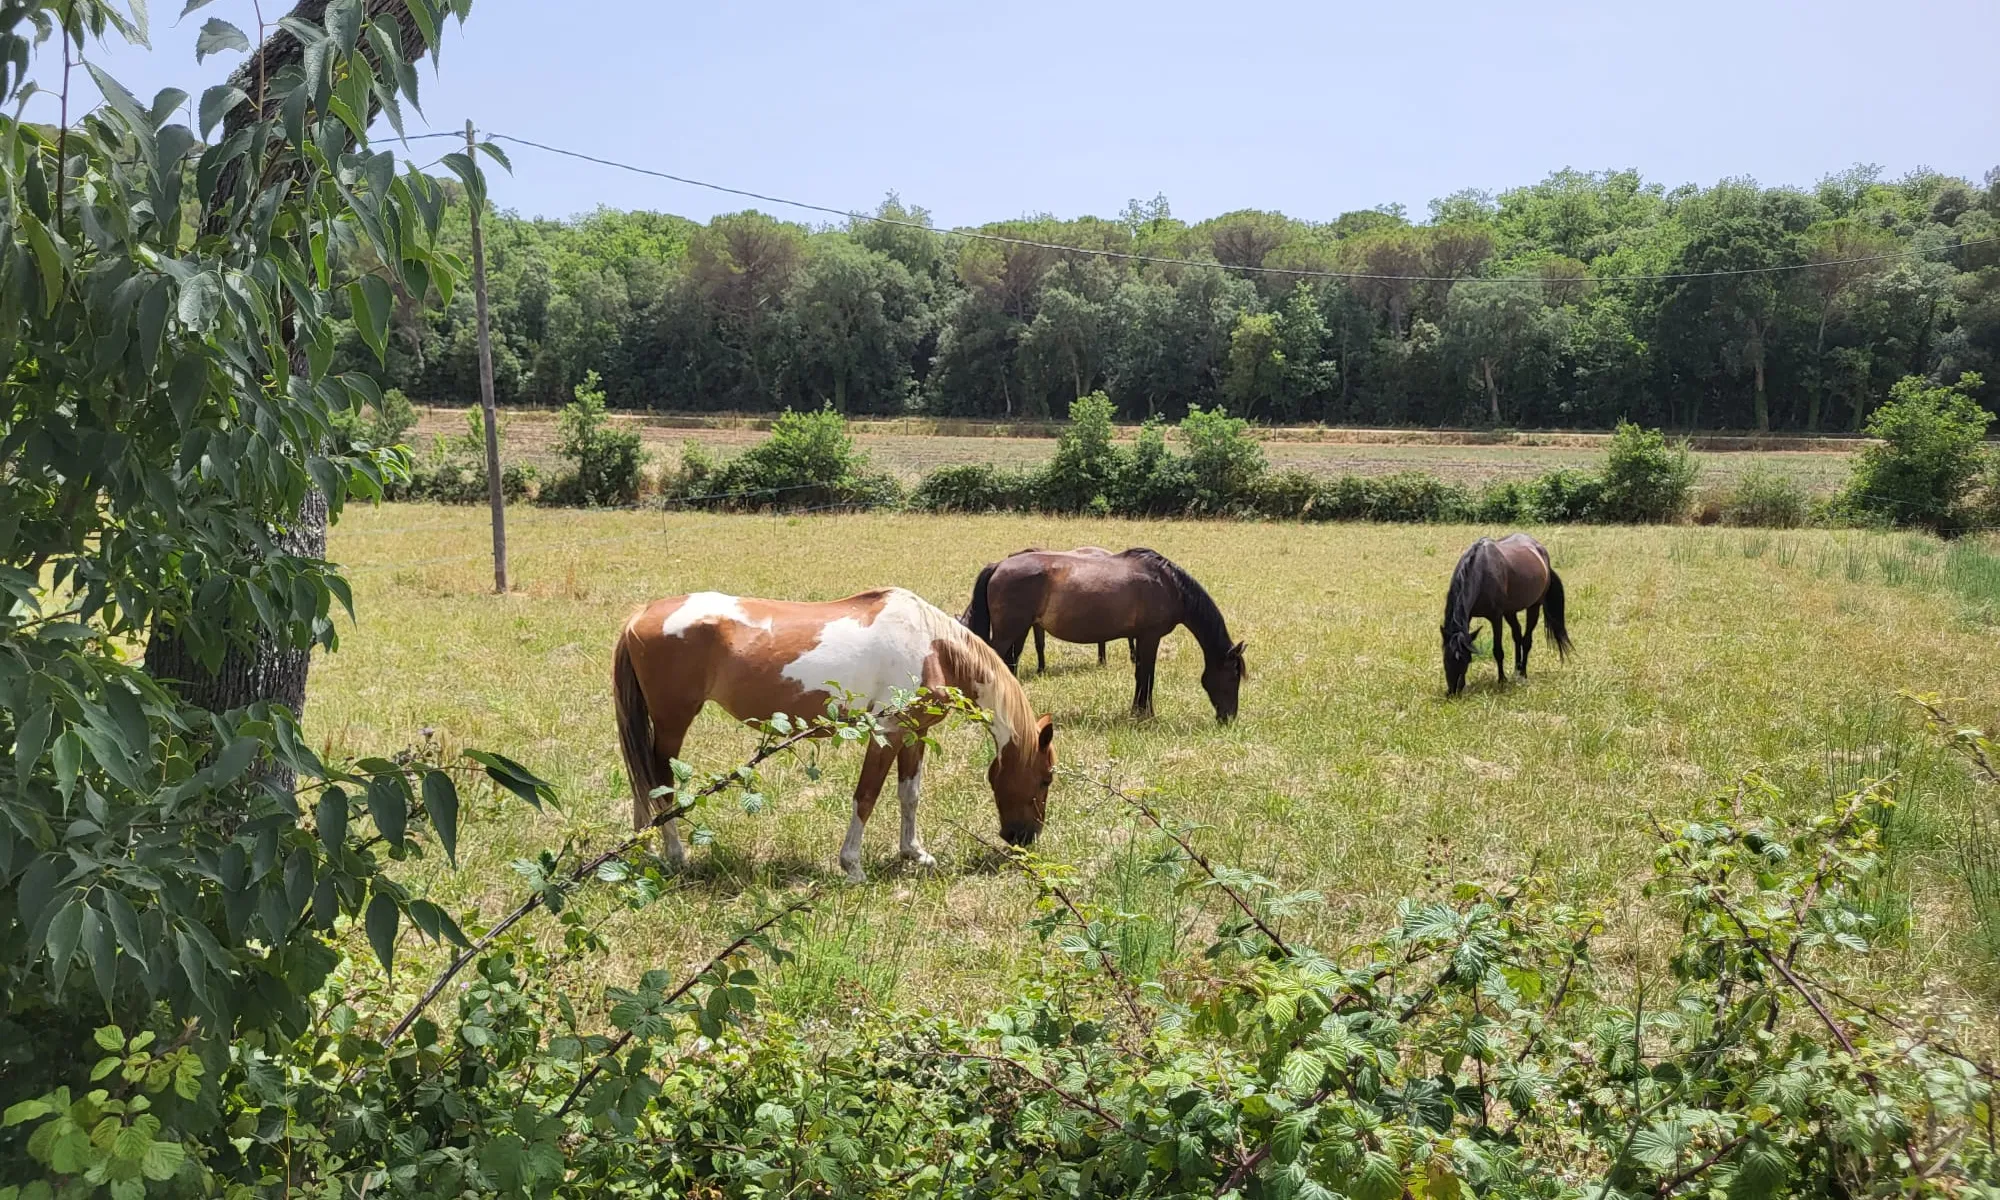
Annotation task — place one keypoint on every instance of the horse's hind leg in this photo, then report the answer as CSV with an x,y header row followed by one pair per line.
x,y
1100,654
1520,646
669,731
909,781
1499,651
874,769
1145,657
1041,659
1527,640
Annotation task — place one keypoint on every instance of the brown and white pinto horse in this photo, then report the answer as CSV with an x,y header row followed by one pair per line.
x,y
1493,581
758,658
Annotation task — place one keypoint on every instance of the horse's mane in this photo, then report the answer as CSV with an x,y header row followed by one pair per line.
x,y
985,678
1458,598
1204,619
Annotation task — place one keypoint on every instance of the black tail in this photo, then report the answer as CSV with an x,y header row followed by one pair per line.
x,y
978,615
1552,605
635,732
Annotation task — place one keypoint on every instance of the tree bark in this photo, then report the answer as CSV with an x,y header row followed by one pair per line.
x,y
1762,402
1492,390
265,670
1819,375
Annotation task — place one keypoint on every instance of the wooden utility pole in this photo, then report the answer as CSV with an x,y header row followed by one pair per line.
x,y
495,494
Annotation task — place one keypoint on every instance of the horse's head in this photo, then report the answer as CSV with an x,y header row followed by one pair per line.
x,y
1457,657
1223,681
1020,783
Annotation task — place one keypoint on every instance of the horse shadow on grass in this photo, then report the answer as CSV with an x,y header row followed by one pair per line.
x,y
723,874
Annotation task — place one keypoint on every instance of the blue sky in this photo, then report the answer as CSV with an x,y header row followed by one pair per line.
x,y
989,111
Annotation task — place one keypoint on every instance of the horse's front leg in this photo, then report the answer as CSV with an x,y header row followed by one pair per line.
x,y
1100,654
1499,651
909,781
874,769
1041,653
1520,646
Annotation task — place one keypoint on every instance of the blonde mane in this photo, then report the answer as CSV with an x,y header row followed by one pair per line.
x,y
984,677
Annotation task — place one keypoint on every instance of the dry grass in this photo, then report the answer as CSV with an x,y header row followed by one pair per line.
x,y
1819,465
1701,654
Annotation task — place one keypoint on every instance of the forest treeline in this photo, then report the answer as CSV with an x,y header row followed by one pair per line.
x,y
1523,309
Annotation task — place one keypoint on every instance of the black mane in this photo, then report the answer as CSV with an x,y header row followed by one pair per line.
x,y
1458,598
1199,612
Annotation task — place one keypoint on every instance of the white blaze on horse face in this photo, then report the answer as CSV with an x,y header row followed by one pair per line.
x,y
873,660
704,606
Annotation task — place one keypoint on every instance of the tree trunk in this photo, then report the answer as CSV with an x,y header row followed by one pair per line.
x,y
1492,390
840,392
1819,376
265,670
1762,402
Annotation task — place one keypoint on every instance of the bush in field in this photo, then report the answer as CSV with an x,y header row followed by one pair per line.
x,y
1565,495
808,459
1080,474
1416,496
461,479
1504,502
975,488
1223,460
1929,458
1646,479
1150,480
1765,498
604,459
1287,496
377,424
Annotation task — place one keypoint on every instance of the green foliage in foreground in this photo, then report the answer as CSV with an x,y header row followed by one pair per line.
x,y
1475,1047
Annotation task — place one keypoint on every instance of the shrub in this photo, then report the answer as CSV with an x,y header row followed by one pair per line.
x,y
694,477
974,488
808,459
1416,496
1287,495
1085,458
461,479
1504,502
1929,457
1149,480
378,425
1223,460
605,460
1765,498
1646,480
1565,495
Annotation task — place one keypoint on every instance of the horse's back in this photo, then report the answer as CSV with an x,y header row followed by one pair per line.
x,y
756,657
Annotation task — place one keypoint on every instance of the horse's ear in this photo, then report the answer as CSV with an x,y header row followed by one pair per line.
x,y
1048,731
1237,649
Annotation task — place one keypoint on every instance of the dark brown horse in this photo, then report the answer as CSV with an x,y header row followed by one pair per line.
x,y
1095,597
1041,644
1493,581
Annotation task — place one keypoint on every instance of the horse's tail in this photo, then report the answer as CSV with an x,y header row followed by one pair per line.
x,y
635,731
978,614
1552,604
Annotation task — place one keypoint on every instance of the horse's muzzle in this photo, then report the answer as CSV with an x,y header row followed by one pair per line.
x,y
1020,833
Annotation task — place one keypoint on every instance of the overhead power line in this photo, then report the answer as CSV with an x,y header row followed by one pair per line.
x,y
1162,260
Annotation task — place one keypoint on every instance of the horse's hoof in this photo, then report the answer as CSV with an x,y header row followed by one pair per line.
x,y
855,874
922,859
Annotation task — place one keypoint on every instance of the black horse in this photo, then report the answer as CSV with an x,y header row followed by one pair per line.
x,y
1493,581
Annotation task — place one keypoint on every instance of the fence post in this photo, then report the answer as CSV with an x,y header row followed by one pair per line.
x,y
496,495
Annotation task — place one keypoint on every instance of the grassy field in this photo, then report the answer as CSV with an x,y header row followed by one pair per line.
x,y
1701,654
531,437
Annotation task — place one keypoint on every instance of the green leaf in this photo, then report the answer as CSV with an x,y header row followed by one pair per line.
x,y
216,36
109,1037
343,23
373,304
389,805
384,918
64,930
26,1110
31,737
163,1161
512,776
201,301
48,259
441,802
217,103
101,953
331,813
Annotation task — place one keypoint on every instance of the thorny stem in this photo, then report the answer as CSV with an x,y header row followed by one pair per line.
x,y
1075,1101
1200,860
727,952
